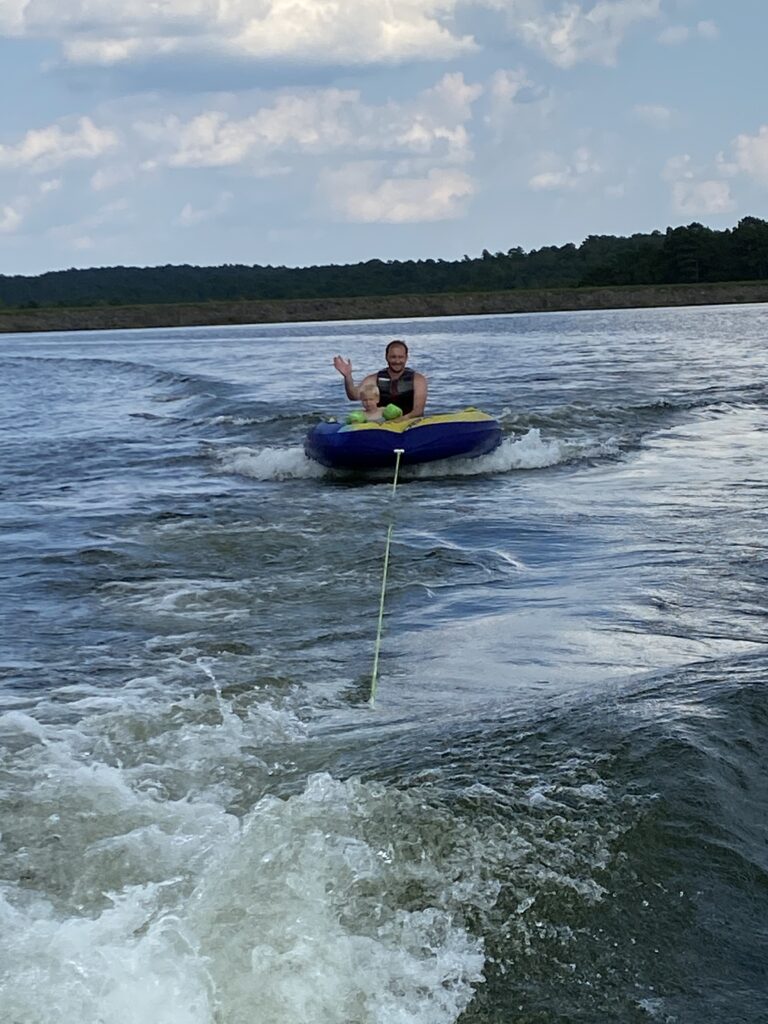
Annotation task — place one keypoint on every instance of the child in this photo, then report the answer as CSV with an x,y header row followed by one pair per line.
x,y
371,413
369,399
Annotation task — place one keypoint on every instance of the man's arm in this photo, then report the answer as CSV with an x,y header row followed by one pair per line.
x,y
419,397
344,366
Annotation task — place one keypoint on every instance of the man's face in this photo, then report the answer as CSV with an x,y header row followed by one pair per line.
x,y
396,358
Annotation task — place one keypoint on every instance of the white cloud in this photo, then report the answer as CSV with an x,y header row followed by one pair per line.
x,y
547,180
511,95
108,32
327,32
674,35
708,30
191,216
700,198
10,218
109,177
359,194
117,212
558,175
295,122
652,113
450,100
751,155
576,32
677,167
44,148
12,16
14,213
726,168
320,123
354,31
431,123
506,85
693,195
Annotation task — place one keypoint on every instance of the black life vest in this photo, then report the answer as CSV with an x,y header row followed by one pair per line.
x,y
399,392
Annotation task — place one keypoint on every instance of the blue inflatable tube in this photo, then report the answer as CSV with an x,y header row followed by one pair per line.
x,y
467,434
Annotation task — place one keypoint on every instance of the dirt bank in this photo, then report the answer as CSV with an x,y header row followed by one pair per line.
x,y
376,307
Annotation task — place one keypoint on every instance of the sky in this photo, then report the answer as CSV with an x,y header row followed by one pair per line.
x,y
300,132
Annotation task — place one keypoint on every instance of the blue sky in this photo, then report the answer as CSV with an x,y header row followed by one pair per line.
x,y
330,131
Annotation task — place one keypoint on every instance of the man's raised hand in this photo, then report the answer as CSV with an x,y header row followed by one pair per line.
x,y
344,366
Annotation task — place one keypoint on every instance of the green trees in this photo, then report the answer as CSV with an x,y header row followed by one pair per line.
x,y
684,255
749,249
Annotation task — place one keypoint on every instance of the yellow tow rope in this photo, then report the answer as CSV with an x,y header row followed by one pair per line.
x,y
374,676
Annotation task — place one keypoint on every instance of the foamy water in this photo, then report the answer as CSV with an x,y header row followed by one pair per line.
x,y
526,452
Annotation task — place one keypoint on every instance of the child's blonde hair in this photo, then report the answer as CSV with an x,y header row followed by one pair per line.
x,y
369,390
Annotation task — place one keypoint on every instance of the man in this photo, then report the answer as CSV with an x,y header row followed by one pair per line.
x,y
397,383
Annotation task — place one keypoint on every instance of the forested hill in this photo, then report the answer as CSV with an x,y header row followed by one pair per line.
x,y
682,255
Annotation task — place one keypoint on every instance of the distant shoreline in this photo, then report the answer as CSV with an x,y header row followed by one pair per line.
x,y
385,307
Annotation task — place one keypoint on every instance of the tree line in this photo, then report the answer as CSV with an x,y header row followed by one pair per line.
x,y
680,255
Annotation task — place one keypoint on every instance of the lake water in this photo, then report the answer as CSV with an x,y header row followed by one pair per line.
x,y
557,812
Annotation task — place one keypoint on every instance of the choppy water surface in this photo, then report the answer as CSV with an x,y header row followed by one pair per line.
x,y
557,811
